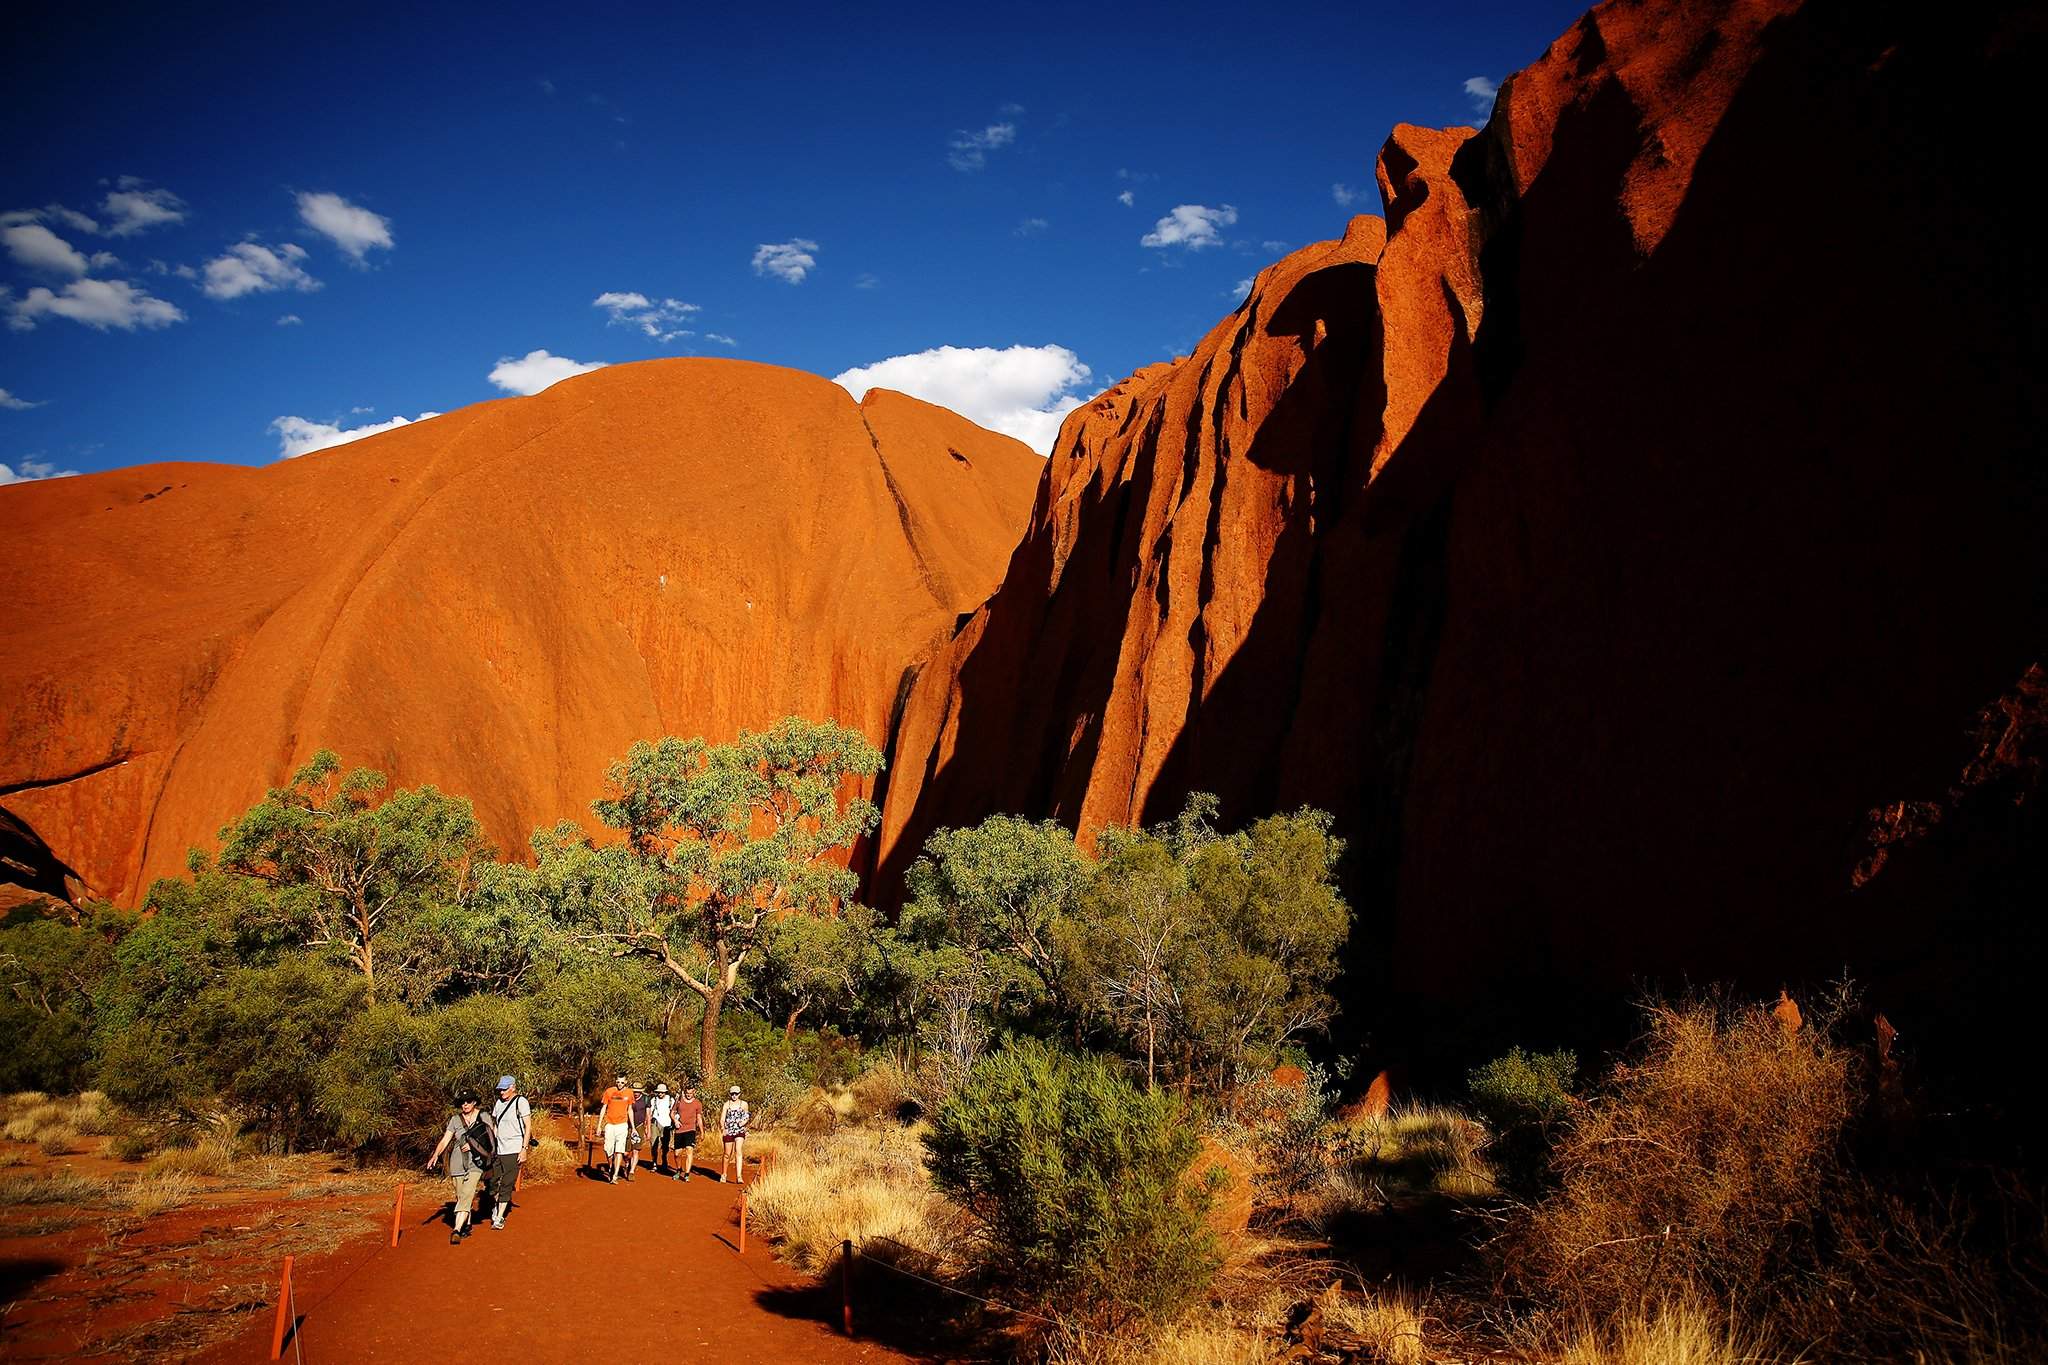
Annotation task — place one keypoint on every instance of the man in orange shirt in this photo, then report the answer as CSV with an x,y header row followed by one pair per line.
x,y
618,1115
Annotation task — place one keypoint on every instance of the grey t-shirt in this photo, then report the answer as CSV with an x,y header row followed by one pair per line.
x,y
460,1161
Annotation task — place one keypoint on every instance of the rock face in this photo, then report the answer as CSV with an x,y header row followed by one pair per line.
x,y
1656,490
498,601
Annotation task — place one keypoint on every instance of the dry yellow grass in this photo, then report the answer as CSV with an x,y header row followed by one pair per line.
x,y
56,1139
58,1187
1391,1322
1200,1341
93,1114
1675,1334
153,1193
213,1155
551,1161
858,1183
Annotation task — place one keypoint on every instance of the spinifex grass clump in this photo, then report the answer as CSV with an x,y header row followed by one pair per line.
x,y
1080,1181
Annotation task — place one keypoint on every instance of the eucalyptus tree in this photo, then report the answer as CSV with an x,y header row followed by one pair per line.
x,y
717,842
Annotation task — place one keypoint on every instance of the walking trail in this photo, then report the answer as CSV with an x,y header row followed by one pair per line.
x,y
582,1270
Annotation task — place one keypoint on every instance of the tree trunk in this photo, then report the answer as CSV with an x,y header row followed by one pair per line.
x,y
1148,1050
707,1036
789,1031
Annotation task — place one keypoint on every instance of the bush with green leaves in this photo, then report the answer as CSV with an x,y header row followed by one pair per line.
x,y
1081,1180
1523,1097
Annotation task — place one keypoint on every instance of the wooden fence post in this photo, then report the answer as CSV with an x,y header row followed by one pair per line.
x,y
284,1300
846,1285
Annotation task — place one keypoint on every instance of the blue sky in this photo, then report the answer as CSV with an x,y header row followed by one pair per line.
x,y
952,178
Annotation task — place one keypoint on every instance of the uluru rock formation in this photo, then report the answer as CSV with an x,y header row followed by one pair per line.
x,y
498,601
1655,491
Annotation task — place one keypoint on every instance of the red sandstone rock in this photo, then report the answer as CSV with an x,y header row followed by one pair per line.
x,y
497,601
1786,1012
1651,495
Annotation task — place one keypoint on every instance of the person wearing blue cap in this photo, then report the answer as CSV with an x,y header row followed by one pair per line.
x,y
512,1118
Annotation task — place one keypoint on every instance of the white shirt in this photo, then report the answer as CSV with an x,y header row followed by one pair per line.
x,y
663,1109
511,1118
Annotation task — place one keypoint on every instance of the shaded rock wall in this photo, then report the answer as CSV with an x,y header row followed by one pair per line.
x,y
1654,493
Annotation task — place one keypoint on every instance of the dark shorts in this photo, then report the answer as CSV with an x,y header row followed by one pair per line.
x,y
504,1174
687,1138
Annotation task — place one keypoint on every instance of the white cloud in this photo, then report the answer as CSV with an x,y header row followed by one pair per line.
x,y
38,248
30,468
969,151
1192,226
721,338
133,208
656,319
13,404
1022,391
868,280
1032,227
98,304
297,436
790,260
536,370
352,228
1240,289
290,320
1345,195
1127,199
1481,91
1273,246
253,268
72,218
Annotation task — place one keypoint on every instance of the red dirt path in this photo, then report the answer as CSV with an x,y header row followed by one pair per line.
x,y
579,1264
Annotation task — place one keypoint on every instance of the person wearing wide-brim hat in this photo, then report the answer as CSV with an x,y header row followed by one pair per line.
x,y
661,1119
733,1119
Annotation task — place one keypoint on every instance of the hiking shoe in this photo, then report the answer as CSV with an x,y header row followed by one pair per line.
x,y
468,1228
497,1225
455,1237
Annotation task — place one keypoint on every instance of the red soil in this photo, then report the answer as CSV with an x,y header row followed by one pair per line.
x,y
583,1270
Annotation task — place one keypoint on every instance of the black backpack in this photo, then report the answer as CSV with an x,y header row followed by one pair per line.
x,y
480,1142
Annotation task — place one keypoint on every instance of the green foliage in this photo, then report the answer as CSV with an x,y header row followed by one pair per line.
x,y
261,1036
1524,1087
49,970
1523,1097
1082,1181
720,840
362,869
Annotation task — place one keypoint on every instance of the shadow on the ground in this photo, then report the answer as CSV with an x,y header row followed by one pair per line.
x,y
19,1273
901,1314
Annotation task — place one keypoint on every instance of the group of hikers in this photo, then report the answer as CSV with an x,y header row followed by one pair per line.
x,y
486,1147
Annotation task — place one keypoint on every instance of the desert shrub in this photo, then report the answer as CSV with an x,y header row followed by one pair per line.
x,y
57,1139
132,1143
26,1099
22,1129
393,1074
1523,1096
1710,1173
1080,1181
553,1160
1283,1125
1390,1324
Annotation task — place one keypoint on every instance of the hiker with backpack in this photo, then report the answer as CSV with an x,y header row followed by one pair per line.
x,y
615,1120
638,1122
512,1120
661,1112
474,1145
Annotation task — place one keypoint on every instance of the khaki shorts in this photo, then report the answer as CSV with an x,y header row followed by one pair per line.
x,y
615,1139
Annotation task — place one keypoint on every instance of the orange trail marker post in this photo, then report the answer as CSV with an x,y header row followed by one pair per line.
x,y
743,1222
284,1299
846,1285
397,1211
